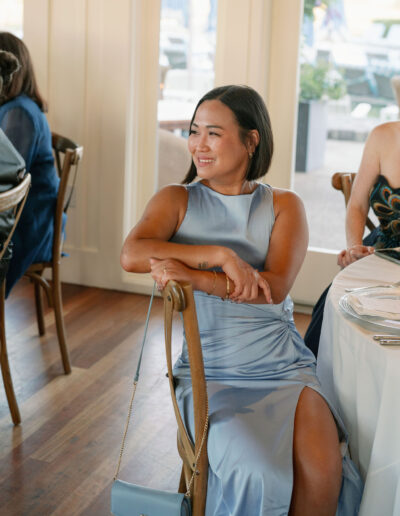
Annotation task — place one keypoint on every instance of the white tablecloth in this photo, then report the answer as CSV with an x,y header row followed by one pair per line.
x,y
362,378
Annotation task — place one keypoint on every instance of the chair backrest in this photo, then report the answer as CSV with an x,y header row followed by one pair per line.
x,y
343,181
179,297
14,199
67,155
173,157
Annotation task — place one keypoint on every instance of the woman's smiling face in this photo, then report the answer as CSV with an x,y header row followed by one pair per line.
x,y
219,154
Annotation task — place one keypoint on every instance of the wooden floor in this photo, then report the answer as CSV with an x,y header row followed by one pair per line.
x,y
61,459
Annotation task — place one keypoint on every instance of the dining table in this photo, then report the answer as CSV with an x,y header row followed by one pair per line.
x,y
361,377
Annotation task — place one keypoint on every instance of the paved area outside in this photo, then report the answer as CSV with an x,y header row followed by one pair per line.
x,y
325,205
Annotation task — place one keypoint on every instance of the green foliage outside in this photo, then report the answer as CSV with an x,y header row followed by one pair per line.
x,y
320,81
310,4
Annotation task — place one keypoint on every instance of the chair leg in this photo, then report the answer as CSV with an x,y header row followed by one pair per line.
x,y
58,312
5,367
39,308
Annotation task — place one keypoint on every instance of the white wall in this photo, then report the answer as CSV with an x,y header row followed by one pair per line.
x,y
97,64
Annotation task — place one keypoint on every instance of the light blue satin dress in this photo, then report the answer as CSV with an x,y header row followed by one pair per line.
x,y
256,366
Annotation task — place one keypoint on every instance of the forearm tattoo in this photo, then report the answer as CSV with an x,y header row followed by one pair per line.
x,y
203,265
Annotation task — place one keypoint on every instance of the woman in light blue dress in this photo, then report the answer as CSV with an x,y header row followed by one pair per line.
x,y
275,444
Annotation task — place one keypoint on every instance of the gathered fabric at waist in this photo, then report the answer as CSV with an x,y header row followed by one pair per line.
x,y
246,341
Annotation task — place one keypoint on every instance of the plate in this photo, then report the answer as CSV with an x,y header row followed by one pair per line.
x,y
372,292
392,256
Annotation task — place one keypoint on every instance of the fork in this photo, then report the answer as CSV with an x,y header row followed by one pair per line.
x,y
387,340
357,289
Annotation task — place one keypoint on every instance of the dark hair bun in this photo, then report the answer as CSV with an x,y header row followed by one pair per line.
x,y
8,65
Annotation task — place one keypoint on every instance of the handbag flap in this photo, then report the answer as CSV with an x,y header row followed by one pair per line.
x,y
132,500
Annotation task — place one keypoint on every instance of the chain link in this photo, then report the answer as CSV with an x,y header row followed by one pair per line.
x,y
126,430
195,471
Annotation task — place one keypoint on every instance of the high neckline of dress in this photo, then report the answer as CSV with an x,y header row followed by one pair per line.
x,y
209,189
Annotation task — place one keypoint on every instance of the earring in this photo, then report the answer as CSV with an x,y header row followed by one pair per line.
x,y
250,155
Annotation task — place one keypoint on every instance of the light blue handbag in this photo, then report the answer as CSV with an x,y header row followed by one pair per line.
x,y
133,500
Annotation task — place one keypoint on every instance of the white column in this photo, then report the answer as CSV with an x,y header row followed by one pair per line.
x,y
141,143
282,99
257,45
243,34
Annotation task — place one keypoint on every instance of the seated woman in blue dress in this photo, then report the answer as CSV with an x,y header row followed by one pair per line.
x,y
377,185
275,445
23,121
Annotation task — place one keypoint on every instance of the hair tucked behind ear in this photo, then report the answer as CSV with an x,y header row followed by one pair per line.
x,y
22,81
251,113
8,65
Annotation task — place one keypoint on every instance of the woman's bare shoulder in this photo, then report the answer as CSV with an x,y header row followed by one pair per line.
x,y
386,130
169,202
283,197
174,192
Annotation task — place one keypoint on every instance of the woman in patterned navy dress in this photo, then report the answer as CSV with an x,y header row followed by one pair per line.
x,y
377,185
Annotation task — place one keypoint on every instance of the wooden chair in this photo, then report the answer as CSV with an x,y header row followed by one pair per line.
x,y
343,181
12,199
179,297
67,155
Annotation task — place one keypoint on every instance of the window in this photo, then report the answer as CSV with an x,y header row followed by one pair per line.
x,y
349,60
12,16
187,50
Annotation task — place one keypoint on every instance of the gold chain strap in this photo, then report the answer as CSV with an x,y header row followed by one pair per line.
x,y
195,470
126,430
135,381
121,451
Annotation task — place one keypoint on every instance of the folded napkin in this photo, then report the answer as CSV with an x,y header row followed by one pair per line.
x,y
382,306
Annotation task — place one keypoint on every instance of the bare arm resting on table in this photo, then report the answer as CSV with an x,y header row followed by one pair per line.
x,y
148,240
357,209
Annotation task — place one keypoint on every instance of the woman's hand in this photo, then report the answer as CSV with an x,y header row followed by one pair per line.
x,y
246,280
353,253
164,270
236,270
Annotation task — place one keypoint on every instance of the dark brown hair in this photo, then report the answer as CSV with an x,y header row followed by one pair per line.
x,y
23,81
251,113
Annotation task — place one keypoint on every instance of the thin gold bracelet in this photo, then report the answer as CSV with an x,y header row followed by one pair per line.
x,y
214,284
228,287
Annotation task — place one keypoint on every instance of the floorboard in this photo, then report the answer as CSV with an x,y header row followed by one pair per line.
x,y
62,458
